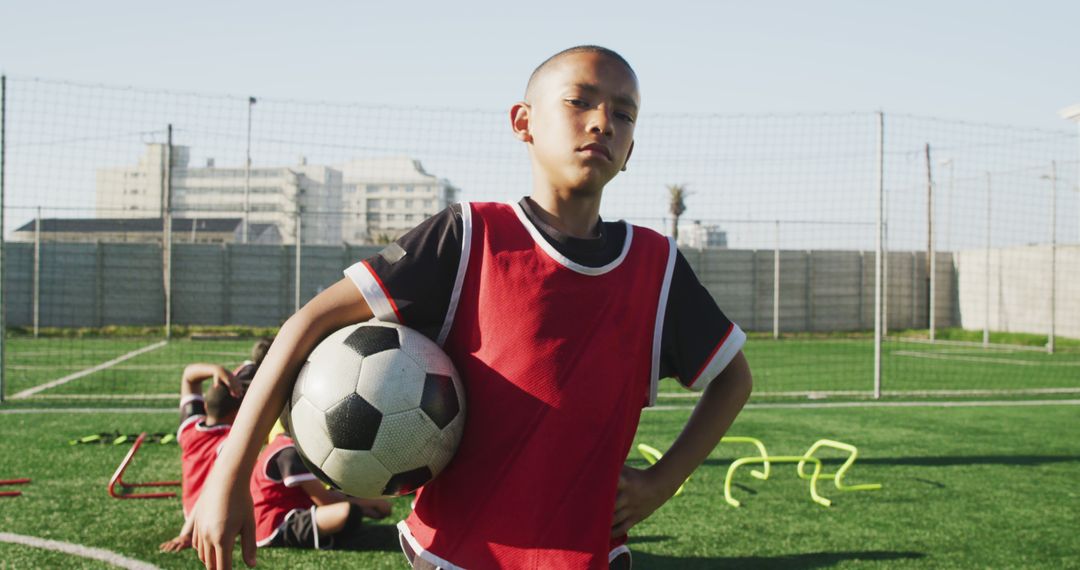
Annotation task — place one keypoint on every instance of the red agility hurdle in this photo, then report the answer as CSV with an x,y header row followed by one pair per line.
x,y
4,482
124,491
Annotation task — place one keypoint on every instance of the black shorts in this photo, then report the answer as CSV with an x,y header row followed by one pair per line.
x,y
299,530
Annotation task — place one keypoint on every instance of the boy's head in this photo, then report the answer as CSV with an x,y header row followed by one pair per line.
x,y
578,118
221,406
258,352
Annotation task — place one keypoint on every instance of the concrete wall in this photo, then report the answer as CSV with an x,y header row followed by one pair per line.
x,y
1020,289
89,285
824,291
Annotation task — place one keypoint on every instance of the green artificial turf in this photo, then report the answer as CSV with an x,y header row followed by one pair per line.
x,y
986,487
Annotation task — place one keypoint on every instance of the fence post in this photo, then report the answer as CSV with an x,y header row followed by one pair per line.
x,y
1053,258
776,282
986,271
166,228
296,270
99,283
879,253
226,278
37,272
3,174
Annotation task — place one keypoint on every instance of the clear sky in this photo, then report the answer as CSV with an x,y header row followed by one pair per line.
x,y
1013,62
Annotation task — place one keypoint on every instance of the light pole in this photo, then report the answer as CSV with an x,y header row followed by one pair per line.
x,y
247,174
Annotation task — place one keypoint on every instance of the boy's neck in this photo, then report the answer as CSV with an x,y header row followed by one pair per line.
x,y
574,214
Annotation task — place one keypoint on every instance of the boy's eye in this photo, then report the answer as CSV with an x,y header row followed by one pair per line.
x,y
626,117
577,102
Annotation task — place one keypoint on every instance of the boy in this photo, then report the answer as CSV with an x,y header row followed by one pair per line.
x,y
292,508
580,319
204,424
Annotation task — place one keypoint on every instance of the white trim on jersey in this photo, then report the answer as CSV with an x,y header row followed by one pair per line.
x,y
368,284
187,421
294,480
658,327
190,398
562,259
719,359
463,264
403,529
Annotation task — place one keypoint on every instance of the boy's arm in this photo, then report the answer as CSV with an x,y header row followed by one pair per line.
x,y
642,492
224,509
197,373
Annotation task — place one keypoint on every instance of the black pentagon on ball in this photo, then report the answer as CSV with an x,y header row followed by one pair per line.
x,y
352,423
407,482
316,471
439,399
373,340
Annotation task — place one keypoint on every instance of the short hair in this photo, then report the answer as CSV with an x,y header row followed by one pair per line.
x,y
540,69
258,352
219,402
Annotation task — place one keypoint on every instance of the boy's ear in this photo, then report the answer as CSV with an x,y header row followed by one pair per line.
x,y
519,121
628,153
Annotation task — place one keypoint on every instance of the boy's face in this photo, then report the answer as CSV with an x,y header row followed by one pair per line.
x,y
580,121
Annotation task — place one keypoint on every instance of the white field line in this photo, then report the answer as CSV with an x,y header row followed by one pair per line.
x,y
77,550
979,345
60,381
960,404
109,397
818,394
88,411
983,359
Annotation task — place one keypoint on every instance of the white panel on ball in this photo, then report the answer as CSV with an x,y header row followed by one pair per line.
x,y
427,354
333,369
309,431
406,440
391,379
360,474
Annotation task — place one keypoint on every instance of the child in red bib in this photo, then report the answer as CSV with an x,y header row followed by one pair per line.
x,y
561,325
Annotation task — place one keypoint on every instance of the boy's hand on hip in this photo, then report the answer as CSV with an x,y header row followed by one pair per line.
x,y
640,493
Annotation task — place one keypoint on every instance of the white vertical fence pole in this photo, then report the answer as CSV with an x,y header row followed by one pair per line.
x,y
296,268
986,271
879,254
1053,258
37,272
776,282
166,225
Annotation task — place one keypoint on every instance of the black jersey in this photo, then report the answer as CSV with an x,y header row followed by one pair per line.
x,y
414,280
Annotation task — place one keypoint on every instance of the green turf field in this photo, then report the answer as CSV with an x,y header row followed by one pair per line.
x,y
792,367
986,487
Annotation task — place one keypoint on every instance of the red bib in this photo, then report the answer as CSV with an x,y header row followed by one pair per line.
x,y
558,360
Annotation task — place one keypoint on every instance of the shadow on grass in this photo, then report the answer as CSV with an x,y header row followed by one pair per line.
x,y
808,560
942,461
381,537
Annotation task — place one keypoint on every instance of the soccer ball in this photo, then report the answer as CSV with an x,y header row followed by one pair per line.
x,y
377,410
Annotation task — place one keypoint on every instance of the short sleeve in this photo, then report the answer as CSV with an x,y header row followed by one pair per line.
x,y
411,281
287,467
191,406
698,340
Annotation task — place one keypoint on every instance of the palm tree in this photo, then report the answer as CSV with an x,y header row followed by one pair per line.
x,y
676,206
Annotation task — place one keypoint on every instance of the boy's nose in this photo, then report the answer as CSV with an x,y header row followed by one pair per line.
x,y
601,123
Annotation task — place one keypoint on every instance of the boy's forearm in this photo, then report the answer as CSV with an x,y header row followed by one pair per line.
x,y
265,396
332,309
713,415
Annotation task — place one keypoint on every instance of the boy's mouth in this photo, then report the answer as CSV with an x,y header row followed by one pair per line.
x,y
597,149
